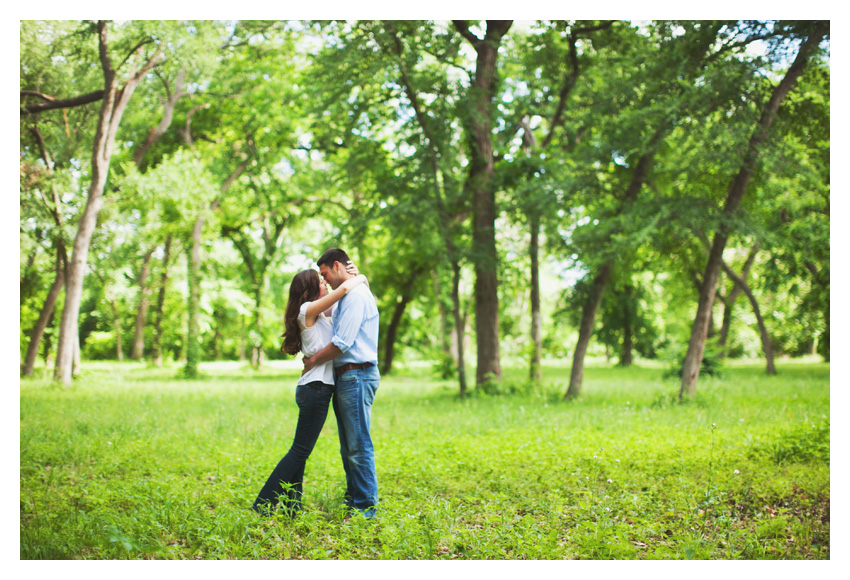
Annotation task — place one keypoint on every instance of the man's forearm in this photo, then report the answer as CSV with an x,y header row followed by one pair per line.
x,y
330,352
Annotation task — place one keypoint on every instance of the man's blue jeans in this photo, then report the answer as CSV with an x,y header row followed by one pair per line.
x,y
285,482
352,404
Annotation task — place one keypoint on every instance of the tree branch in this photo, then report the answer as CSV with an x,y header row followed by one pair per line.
x,y
496,29
596,28
462,26
135,48
37,94
187,132
569,83
42,147
53,103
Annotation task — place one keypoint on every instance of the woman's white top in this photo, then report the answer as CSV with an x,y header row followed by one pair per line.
x,y
314,339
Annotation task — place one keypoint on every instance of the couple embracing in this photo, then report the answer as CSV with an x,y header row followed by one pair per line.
x,y
340,369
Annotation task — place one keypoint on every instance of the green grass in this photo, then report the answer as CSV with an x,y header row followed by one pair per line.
x,y
133,462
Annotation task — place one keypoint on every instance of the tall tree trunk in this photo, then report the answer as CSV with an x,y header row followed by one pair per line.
x,y
116,325
44,318
193,269
160,304
446,218
460,327
257,346
218,316
243,338
392,333
193,274
699,329
47,342
626,356
445,329
534,370
403,300
821,278
585,330
154,135
115,101
767,348
481,169
142,311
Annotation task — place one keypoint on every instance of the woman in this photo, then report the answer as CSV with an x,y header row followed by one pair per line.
x,y
307,329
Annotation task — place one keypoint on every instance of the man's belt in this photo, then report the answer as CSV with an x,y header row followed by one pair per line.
x,y
353,366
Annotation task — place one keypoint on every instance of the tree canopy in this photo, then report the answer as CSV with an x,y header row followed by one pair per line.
x,y
513,190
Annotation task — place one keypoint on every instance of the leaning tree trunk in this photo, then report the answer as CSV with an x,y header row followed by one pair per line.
x,y
699,329
588,317
398,312
534,370
729,304
392,333
765,336
115,101
44,317
479,184
169,104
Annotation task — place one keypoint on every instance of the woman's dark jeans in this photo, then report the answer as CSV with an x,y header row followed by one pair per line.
x,y
285,481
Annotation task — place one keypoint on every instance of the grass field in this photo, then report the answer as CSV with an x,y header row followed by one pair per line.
x,y
132,462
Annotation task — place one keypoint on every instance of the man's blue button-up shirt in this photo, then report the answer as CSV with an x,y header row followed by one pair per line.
x,y
355,326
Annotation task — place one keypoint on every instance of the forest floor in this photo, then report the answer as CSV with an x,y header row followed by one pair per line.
x,y
133,462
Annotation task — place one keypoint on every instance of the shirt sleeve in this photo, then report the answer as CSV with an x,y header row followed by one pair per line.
x,y
302,314
348,317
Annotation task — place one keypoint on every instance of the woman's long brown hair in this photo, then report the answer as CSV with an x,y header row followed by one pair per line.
x,y
304,288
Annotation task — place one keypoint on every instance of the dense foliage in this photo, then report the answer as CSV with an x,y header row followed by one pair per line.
x,y
615,141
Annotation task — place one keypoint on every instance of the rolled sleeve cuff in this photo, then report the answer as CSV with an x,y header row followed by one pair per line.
x,y
340,344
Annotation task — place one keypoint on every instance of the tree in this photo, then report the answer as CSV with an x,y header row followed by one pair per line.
x,y
543,51
115,98
50,144
816,33
389,125
256,227
479,128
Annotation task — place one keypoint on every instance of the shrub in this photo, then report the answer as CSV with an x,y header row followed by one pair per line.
x,y
712,362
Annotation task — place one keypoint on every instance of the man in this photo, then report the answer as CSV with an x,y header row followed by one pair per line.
x,y
354,351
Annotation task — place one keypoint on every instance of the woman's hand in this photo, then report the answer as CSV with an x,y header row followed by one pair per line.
x,y
351,268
